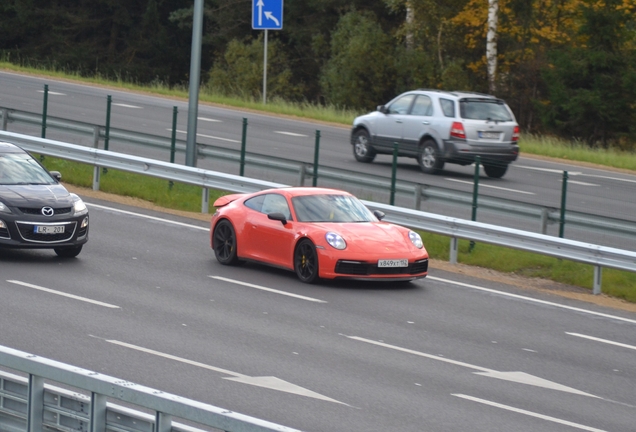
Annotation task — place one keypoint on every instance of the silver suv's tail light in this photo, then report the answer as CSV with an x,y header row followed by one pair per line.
x,y
457,130
515,134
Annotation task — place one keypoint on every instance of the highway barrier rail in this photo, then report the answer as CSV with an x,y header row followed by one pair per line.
x,y
598,256
305,172
32,405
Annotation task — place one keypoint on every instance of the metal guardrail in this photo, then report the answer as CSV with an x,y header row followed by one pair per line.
x,y
417,192
33,406
598,256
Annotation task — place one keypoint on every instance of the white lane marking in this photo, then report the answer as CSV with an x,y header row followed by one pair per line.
x,y
267,289
269,382
290,134
518,377
63,294
148,217
210,136
127,106
610,178
53,93
551,170
528,413
530,299
209,120
490,186
582,183
601,340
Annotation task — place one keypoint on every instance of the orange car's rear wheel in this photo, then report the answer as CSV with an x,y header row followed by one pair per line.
x,y
306,261
225,243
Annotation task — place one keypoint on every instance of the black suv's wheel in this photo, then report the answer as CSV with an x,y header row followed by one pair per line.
x,y
362,150
68,252
306,261
495,171
428,157
225,243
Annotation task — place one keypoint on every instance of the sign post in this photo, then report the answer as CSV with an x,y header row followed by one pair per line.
x,y
266,15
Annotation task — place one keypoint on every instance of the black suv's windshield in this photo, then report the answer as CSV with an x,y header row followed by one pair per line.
x,y
22,169
481,109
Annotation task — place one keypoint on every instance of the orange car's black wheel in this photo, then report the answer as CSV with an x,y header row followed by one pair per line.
x,y
306,261
225,243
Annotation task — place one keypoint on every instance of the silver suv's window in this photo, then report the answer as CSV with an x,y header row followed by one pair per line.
x,y
484,110
448,107
422,106
401,106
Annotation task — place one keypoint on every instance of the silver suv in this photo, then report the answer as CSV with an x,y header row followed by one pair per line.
x,y
435,126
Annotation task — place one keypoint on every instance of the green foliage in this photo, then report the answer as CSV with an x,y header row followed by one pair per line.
x,y
591,86
361,66
241,71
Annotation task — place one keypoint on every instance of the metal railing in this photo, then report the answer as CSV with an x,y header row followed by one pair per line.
x,y
417,193
31,405
598,256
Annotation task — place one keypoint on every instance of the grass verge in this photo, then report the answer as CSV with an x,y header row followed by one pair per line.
x,y
619,284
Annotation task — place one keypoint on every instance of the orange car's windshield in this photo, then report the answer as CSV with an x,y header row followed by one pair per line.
x,y
331,208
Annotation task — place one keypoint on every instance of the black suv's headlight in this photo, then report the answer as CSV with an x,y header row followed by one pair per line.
x,y
4,208
78,205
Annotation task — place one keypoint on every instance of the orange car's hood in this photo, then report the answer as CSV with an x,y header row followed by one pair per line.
x,y
371,235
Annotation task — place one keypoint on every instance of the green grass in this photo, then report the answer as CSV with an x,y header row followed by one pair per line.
x,y
615,283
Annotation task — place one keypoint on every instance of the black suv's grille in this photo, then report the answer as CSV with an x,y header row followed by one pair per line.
x,y
362,268
38,211
27,231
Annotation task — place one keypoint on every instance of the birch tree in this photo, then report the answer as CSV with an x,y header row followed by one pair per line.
x,y
491,44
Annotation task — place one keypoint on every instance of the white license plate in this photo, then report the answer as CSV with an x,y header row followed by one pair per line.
x,y
49,229
489,135
393,263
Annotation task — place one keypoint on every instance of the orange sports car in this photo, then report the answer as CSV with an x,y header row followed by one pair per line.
x,y
316,232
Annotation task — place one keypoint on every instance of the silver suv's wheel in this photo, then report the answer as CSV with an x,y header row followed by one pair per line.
x,y
495,171
362,150
428,157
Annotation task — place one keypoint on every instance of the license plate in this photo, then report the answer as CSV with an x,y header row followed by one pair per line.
x,y
393,263
49,229
489,135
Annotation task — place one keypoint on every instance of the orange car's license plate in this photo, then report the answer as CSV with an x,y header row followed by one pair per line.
x,y
393,263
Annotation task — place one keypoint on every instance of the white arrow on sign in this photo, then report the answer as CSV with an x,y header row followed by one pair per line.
x,y
269,382
260,5
269,15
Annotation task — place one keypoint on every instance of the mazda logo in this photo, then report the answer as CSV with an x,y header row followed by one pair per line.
x,y
47,211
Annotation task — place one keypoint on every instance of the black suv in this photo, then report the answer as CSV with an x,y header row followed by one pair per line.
x,y
36,211
436,126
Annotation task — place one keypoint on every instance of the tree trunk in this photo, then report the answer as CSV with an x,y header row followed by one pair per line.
x,y
491,44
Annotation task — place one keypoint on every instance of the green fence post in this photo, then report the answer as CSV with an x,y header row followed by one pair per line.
x,y
475,195
44,109
393,172
243,140
316,151
564,190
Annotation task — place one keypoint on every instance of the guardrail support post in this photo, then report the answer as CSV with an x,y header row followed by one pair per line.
x,y
302,171
393,173
97,173
544,220
598,275
564,190
243,139
418,196
98,413
163,422
5,118
316,151
205,200
35,407
453,250
44,109
109,101
95,136
173,138
475,194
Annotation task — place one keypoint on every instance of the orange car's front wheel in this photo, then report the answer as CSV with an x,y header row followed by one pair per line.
x,y
306,261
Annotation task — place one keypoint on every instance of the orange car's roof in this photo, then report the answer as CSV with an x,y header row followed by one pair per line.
x,y
290,191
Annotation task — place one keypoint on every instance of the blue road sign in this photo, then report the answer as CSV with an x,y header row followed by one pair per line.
x,y
267,14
